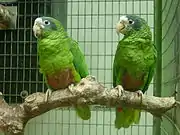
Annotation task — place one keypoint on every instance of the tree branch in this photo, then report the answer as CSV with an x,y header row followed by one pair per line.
x,y
7,18
14,118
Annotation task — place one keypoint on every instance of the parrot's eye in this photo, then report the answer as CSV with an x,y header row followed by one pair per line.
x,y
131,21
46,22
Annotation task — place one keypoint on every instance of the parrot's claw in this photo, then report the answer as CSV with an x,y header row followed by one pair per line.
x,y
120,90
174,93
48,94
139,92
70,87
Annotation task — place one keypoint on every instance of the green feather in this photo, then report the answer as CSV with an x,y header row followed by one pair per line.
x,y
57,52
135,55
81,67
151,71
79,60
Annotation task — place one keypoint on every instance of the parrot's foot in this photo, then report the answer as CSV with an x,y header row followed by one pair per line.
x,y
48,94
120,90
174,93
139,92
70,87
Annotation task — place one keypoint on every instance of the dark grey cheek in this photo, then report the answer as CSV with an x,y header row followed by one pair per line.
x,y
136,25
53,26
129,28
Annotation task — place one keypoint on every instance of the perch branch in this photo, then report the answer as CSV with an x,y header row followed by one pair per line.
x,y
14,118
6,18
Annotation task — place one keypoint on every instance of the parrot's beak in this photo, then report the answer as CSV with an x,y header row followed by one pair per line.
x,y
120,27
37,27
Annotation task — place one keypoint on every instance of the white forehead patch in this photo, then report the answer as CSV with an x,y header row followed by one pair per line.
x,y
40,21
123,18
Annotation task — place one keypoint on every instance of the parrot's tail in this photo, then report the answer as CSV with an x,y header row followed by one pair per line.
x,y
126,116
83,112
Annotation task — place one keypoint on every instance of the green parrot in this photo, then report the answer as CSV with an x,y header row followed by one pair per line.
x,y
61,61
134,64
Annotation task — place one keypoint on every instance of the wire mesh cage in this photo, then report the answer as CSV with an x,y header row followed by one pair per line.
x,y
170,61
92,24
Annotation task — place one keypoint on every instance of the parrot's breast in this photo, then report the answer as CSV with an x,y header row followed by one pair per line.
x,y
132,83
60,79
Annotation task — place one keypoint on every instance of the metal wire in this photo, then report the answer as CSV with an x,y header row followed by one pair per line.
x,y
170,61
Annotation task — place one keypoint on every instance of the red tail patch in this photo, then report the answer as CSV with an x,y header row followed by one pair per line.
x,y
119,109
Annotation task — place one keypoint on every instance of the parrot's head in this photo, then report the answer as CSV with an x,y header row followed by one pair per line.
x,y
129,24
44,26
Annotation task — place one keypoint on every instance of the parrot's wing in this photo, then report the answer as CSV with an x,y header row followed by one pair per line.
x,y
80,65
151,72
115,70
79,60
115,65
118,70
150,76
114,73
